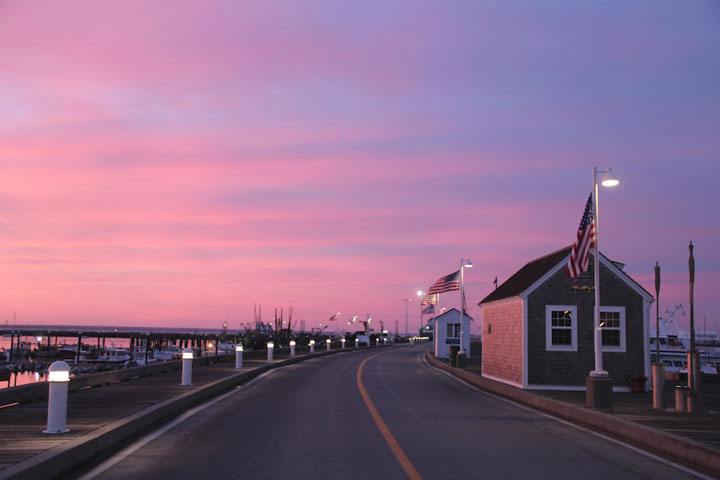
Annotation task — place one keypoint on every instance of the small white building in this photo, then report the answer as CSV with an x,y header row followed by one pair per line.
x,y
447,333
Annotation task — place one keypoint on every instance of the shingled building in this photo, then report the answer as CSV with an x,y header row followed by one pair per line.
x,y
538,326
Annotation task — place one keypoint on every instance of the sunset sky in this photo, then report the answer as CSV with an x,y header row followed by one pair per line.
x,y
171,163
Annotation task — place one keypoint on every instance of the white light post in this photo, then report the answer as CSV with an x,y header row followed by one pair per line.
x,y
407,301
327,343
187,361
609,180
598,392
357,342
270,348
420,295
312,346
342,343
58,380
292,348
464,263
377,341
238,355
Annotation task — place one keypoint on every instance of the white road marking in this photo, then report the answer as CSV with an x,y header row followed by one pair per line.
x,y
126,452
679,466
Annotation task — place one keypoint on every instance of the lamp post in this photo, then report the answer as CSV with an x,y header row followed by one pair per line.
x,y
407,301
420,295
239,355
464,263
58,381
597,395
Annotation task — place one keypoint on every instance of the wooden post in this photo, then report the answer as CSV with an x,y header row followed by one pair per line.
x,y
79,344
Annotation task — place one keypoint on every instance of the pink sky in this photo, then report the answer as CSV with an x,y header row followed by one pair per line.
x,y
173,163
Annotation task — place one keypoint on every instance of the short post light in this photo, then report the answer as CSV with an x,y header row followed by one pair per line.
x,y
187,363
312,346
238,355
58,380
377,341
357,342
270,348
342,343
327,343
292,348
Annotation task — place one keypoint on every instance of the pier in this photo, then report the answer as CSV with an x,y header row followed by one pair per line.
x,y
108,408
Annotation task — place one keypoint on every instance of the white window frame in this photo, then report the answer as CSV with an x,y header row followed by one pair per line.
x,y
548,328
621,347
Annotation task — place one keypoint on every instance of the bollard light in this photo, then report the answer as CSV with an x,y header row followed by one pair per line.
x,y
58,380
312,346
357,342
377,342
238,355
292,348
270,347
327,342
187,361
342,342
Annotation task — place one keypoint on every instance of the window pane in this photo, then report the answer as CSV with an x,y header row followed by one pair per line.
x,y
611,337
449,330
561,336
610,319
561,318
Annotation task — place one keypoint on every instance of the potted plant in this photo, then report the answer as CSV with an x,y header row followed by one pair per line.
x,y
637,382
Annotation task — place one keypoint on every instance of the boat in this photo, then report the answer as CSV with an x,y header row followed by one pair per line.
x,y
115,355
675,346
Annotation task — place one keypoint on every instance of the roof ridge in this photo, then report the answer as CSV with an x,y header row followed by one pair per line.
x,y
550,254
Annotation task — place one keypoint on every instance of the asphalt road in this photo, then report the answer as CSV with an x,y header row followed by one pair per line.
x,y
310,420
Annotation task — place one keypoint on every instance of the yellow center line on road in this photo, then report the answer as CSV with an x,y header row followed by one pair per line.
x,y
386,433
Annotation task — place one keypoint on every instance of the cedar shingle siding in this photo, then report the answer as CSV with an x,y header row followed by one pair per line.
x,y
571,368
503,355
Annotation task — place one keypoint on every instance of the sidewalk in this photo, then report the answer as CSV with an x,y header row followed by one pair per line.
x,y
102,417
691,438
702,426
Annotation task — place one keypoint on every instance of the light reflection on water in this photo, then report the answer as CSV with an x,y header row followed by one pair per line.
x,y
22,378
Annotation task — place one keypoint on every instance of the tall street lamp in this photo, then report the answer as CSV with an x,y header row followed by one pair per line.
x,y
603,396
420,295
464,263
407,301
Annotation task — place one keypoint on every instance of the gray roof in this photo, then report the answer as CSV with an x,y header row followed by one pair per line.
x,y
533,271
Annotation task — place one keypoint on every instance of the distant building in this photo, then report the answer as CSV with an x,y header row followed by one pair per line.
x,y
447,333
538,328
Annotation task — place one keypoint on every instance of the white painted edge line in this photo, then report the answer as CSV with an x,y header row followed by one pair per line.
x,y
629,446
126,452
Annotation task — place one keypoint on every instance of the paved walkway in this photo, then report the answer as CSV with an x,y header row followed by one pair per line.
x,y
702,426
90,409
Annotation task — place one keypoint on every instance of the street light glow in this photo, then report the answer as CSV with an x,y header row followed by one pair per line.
x,y
609,179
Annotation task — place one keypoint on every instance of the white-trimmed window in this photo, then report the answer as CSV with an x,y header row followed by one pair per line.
x,y
612,323
561,327
453,330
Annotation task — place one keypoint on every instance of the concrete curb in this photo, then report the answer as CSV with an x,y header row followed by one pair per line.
x,y
685,450
55,461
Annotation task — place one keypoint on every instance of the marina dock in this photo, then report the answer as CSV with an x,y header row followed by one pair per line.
x,y
107,414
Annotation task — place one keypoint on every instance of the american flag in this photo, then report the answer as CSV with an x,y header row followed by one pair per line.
x,y
580,254
429,299
429,310
448,283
